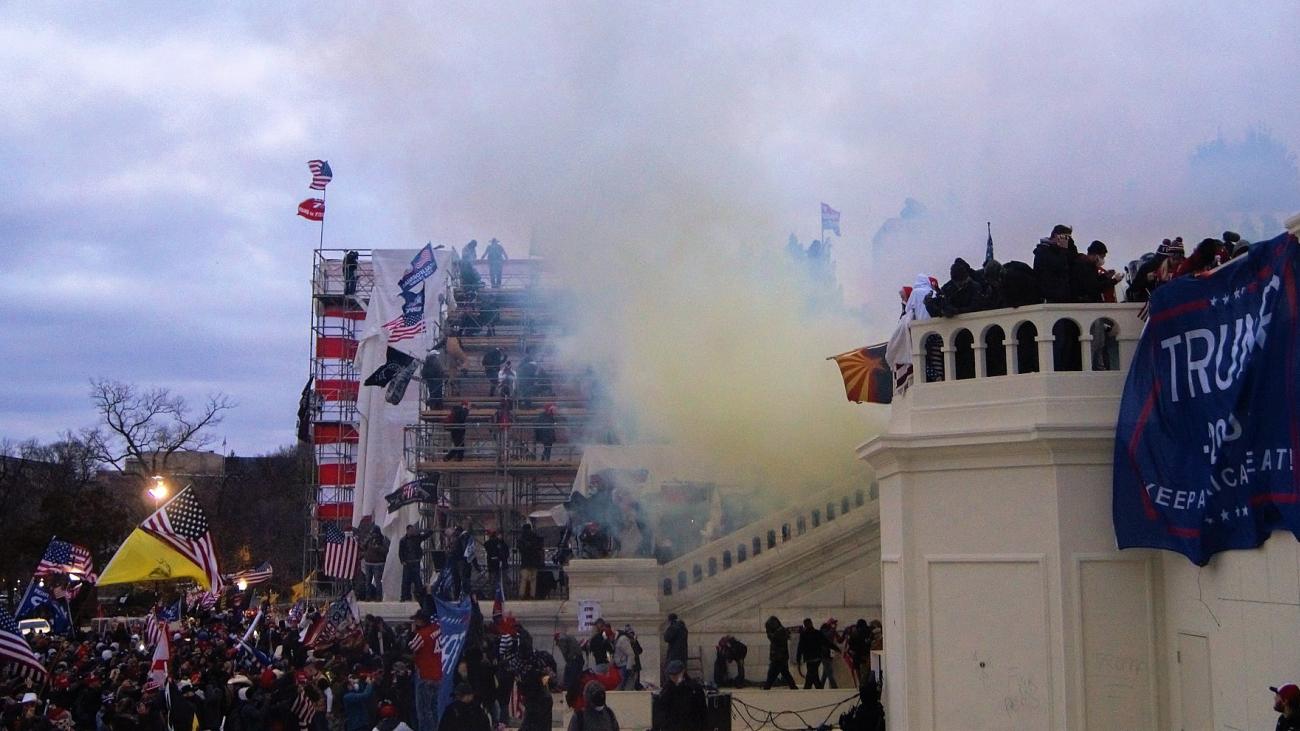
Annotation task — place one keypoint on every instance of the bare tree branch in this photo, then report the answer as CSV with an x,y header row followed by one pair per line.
x,y
142,429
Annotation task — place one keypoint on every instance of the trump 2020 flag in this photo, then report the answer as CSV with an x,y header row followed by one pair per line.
x,y
453,620
1209,425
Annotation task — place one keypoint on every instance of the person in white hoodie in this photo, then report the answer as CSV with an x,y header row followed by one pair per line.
x,y
898,353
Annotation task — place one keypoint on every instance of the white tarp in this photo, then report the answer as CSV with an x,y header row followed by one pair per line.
x,y
380,458
658,463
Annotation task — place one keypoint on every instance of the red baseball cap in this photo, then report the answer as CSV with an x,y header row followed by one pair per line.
x,y
1288,692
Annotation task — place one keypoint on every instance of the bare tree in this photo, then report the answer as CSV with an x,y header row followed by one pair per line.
x,y
143,428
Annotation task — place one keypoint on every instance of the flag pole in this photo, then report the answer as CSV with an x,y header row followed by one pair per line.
x,y
322,217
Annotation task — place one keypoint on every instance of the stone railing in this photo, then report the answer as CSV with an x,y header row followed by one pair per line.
x,y
796,523
1034,339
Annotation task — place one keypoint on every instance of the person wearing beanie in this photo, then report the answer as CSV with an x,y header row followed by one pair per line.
x,y
1052,259
595,715
389,718
463,714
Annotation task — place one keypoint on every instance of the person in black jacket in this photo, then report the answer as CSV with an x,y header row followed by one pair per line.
x,y
810,652
680,706
535,688
1052,260
729,650
498,557
409,552
676,636
544,432
464,714
435,380
492,361
532,556
456,421
778,654
962,294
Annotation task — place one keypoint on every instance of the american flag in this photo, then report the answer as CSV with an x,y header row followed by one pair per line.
x,y
159,669
182,525
253,576
62,557
341,553
404,327
321,175
201,599
154,628
15,652
303,709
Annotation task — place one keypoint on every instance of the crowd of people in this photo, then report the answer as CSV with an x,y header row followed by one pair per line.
x,y
1061,272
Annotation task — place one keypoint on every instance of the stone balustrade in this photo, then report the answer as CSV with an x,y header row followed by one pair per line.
x,y
791,524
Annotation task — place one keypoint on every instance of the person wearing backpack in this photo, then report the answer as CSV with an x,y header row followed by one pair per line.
x,y
595,715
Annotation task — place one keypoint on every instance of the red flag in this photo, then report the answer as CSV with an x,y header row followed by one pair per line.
x,y
312,209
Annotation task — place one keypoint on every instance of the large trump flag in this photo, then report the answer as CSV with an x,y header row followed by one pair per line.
x,y
1209,425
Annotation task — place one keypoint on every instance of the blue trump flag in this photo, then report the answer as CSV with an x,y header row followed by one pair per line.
x,y
37,597
1210,421
453,623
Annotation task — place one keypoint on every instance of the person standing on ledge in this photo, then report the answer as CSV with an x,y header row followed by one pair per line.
x,y
496,257
409,552
676,636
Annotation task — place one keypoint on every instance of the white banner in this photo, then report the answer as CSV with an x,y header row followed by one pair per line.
x,y
588,613
405,320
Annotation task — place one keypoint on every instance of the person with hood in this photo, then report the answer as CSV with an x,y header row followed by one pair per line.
x,y
858,645
676,636
571,652
600,647
374,553
496,257
544,431
464,714
1052,260
498,557
680,706
810,652
535,689
898,353
778,654
595,715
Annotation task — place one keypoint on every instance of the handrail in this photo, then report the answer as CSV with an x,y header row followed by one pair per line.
x,y
790,524
430,446
1084,337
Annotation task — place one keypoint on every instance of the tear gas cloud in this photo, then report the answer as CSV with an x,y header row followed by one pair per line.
x,y
661,155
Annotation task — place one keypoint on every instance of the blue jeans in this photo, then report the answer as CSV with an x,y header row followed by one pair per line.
x,y
410,578
426,704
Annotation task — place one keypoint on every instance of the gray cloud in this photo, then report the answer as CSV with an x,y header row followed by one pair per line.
x,y
153,157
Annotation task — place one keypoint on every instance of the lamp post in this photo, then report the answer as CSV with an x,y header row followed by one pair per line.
x,y
159,491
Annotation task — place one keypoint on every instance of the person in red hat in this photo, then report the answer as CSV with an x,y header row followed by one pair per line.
x,y
1286,701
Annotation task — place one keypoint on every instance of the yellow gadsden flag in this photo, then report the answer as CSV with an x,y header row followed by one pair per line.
x,y
143,557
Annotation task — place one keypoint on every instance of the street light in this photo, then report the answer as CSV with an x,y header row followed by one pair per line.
x,y
159,490
242,584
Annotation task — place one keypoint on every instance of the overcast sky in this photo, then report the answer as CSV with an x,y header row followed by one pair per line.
x,y
153,154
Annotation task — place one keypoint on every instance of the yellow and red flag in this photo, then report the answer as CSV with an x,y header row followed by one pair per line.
x,y
866,375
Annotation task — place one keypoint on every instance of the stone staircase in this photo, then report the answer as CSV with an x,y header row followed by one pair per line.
x,y
818,559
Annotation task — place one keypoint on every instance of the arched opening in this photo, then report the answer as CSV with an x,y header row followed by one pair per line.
x,y
933,345
758,546
1067,352
668,587
816,518
740,553
713,566
681,579
771,539
785,532
1105,344
697,574
801,526
844,505
964,359
858,498
830,511
1026,348
995,351
726,559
